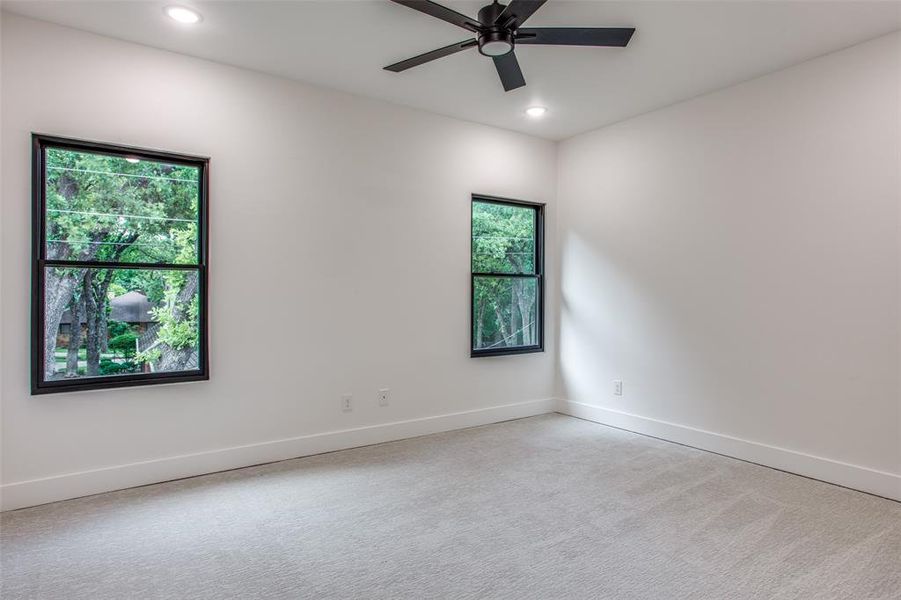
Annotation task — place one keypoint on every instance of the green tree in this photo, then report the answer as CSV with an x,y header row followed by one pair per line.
x,y
503,241
124,344
178,314
107,208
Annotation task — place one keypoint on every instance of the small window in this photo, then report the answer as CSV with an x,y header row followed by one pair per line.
x,y
119,270
507,277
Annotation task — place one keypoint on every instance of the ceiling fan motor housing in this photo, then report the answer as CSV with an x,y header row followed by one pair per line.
x,y
495,40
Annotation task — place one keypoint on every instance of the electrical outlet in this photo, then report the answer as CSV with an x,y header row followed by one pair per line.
x,y
618,387
383,397
347,402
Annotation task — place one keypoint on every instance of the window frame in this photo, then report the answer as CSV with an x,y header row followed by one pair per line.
x,y
39,262
538,276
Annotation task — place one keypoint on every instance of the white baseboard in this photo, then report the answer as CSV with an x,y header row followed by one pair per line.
x,y
856,477
84,483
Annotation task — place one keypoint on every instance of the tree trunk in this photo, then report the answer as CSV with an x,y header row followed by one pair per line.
x,y
92,331
513,301
101,290
179,359
480,318
525,313
96,287
74,337
501,324
59,287
58,292
520,304
124,242
103,328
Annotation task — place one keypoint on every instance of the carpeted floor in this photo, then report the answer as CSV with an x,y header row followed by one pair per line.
x,y
546,507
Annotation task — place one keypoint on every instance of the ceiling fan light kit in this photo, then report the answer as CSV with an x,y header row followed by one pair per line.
x,y
495,43
498,30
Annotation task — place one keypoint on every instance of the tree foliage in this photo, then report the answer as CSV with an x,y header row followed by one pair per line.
x,y
503,242
109,208
124,344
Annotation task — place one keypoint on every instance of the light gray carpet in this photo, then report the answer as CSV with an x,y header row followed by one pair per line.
x,y
547,507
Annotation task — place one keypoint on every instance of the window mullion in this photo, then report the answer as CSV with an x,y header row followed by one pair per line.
x,y
514,275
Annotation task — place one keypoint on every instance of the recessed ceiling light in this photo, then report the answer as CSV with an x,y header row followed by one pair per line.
x,y
183,15
536,111
132,159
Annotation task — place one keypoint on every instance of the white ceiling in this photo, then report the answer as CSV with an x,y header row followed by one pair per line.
x,y
680,49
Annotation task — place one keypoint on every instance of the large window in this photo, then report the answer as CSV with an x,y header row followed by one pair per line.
x,y
507,276
119,270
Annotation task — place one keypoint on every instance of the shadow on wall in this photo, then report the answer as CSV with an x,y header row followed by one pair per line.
x,y
619,321
593,344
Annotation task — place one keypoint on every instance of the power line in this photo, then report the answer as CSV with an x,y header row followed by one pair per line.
x,y
502,340
88,242
121,174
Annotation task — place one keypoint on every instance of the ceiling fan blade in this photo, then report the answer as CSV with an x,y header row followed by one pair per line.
x,y
429,56
517,12
575,36
509,71
441,12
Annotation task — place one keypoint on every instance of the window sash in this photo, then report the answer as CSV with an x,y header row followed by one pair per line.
x,y
539,310
41,143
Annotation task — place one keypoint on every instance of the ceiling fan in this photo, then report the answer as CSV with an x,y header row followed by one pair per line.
x,y
499,29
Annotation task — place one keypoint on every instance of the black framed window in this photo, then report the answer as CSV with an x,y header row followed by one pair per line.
x,y
507,295
119,266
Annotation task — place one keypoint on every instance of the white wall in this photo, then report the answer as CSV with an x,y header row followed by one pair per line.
x,y
339,263
734,259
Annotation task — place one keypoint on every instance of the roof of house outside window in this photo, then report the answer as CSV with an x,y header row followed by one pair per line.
x,y
131,307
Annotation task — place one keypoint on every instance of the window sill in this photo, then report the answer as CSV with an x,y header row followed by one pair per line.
x,y
506,351
121,381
